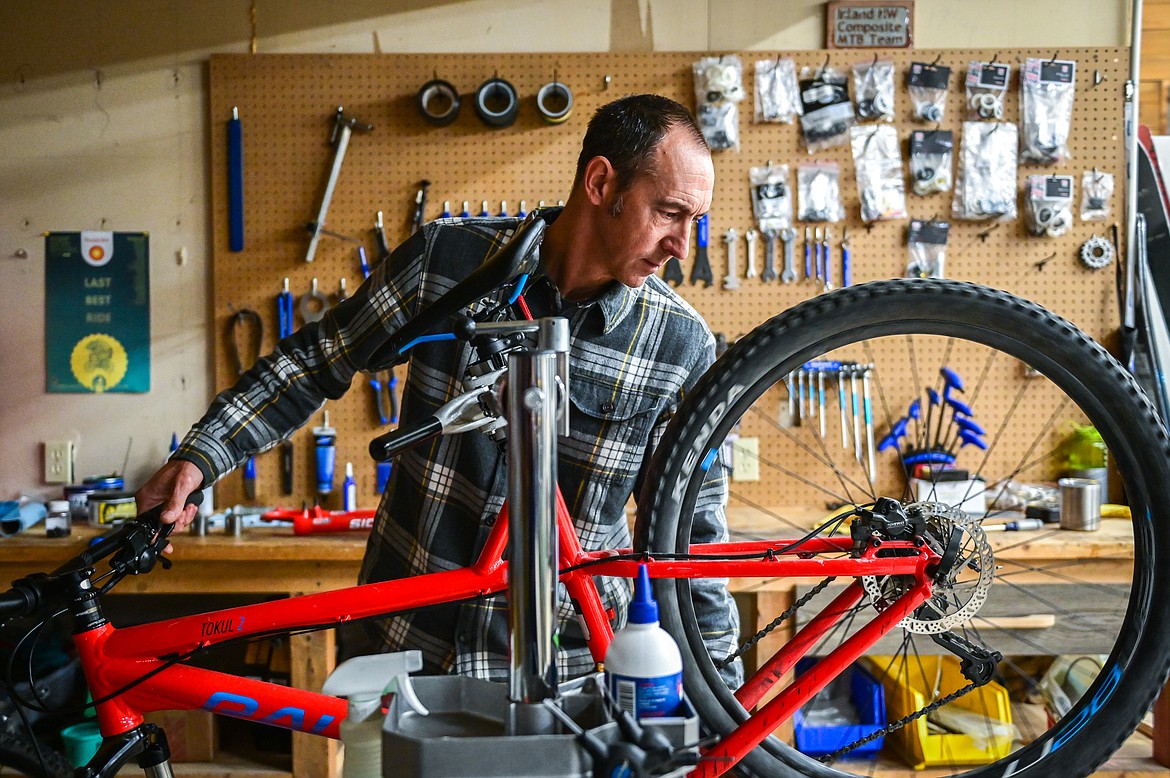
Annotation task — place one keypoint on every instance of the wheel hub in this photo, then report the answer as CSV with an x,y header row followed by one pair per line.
x,y
962,580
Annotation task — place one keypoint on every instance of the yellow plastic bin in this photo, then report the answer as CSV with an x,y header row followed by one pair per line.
x,y
910,684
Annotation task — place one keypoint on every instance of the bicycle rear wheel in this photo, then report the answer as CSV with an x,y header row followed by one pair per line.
x,y
1027,378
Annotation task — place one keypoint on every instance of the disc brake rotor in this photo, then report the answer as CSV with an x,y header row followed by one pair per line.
x,y
960,591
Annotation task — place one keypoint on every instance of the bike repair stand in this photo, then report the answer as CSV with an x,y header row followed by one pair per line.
x,y
535,727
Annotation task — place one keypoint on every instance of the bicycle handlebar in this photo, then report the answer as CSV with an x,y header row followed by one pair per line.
x,y
394,442
136,545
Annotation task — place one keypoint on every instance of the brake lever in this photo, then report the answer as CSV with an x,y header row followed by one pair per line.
x,y
143,543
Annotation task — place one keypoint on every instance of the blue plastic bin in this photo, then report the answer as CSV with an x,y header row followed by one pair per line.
x,y
869,699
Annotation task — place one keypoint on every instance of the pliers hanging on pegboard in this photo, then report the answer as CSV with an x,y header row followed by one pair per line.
x,y
385,396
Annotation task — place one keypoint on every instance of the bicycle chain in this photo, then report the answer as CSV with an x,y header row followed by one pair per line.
x,y
889,729
776,622
832,757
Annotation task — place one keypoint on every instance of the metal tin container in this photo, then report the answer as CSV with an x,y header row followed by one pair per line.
x,y
111,507
78,497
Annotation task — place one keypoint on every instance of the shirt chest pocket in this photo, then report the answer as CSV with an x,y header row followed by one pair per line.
x,y
614,423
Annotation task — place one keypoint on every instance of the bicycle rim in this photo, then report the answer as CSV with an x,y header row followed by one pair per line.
x,y
1066,622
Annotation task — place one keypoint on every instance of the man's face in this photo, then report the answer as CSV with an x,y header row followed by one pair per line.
x,y
650,221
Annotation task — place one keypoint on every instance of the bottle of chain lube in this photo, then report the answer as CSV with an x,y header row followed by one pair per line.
x,y
643,666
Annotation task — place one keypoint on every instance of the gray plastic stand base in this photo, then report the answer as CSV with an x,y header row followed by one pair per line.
x,y
465,735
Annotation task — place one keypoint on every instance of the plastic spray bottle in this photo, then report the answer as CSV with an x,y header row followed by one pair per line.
x,y
643,666
363,680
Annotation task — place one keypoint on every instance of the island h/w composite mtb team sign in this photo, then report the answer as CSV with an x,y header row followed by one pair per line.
x,y
862,24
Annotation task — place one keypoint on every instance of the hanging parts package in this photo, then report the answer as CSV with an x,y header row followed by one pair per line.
x,y
777,91
1096,192
987,84
818,187
1048,205
771,197
877,159
873,88
931,160
928,84
1047,88
986,187
827,112
927,241
718,93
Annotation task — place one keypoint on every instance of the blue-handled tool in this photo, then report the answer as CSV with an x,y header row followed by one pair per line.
x,y
701,269
915,412
889,441
250,478
365,266
235,136
284,310
818,254
967,423
969,438
958,406
379,400
933,401
951,380
896,433
846,263
963,423
808,267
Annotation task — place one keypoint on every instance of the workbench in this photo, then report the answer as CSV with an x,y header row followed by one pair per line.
x,y
272,561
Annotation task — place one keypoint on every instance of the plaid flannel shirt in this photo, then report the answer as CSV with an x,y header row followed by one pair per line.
x,y
634,352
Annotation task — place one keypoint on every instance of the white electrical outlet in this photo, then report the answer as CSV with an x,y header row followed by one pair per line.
x,y
58,461
745,459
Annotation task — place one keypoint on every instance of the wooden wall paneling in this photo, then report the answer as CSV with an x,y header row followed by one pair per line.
x,y
287,103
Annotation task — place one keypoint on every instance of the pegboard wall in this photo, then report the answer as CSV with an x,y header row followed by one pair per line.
x,y
287,104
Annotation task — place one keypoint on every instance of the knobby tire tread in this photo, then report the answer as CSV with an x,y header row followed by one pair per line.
x,y
998,319
19,754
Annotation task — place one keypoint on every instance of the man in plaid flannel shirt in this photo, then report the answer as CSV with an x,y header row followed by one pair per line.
x,y
643,177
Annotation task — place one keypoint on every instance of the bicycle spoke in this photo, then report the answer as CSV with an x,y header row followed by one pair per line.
x,y
973,406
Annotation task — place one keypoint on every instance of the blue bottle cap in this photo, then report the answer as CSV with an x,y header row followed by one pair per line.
x,y
643,608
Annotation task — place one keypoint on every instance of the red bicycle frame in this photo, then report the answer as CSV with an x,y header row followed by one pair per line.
x,y
134,666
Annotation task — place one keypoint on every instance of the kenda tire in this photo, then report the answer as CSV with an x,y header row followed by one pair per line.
x,y
1139,451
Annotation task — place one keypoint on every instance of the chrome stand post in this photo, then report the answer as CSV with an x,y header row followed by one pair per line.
x,y
536,390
